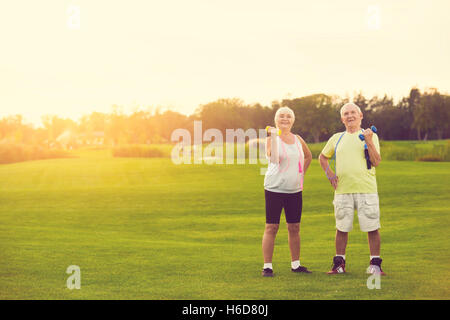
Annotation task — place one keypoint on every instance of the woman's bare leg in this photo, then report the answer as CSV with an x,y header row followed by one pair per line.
x,y
268,241
294,240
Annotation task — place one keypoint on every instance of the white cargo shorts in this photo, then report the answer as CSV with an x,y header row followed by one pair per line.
x,y
366,204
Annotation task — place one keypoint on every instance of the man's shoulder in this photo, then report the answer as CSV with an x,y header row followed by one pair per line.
x,y
336,136
376,136
328,149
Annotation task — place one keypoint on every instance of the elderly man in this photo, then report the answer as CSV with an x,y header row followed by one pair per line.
x,y
355,185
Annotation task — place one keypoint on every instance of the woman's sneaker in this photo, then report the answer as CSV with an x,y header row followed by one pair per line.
x,y
375,267
301,269
338,265
267,272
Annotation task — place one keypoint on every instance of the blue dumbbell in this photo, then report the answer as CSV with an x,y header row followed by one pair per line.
x,y
373,128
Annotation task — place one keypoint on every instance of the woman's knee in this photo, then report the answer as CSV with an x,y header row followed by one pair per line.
x,y
271,228
293,228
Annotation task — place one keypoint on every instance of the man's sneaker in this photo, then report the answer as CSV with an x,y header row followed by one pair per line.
x,y
375,267
301,269
338,265
267,272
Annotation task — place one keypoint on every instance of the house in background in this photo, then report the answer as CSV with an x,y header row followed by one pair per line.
x,y
69,139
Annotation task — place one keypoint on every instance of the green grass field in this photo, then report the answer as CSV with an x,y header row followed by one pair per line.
x,y
149,229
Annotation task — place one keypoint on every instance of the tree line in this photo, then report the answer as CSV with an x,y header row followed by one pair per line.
x,y
418,116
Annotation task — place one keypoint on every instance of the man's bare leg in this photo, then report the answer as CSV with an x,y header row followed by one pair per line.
x,y
341,242
374,242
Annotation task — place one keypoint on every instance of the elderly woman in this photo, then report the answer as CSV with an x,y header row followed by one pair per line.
x,y
289,158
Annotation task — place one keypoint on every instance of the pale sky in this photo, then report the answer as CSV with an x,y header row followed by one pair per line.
x,y
180,54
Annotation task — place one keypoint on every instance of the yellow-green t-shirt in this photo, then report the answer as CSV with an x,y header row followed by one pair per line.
x,y
351,166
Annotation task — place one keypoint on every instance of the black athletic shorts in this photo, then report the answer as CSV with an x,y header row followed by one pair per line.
x,y
276,201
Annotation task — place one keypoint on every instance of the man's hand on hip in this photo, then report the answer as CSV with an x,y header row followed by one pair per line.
x,y
334,181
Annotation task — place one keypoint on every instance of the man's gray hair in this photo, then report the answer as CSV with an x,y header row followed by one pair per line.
x,y
351,104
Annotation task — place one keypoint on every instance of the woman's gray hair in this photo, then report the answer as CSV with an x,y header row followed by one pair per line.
x,y
285,110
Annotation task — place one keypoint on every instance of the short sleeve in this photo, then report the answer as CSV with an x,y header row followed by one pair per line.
x,y
328,150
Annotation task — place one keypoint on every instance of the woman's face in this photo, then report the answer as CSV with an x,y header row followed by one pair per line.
x,y
285,121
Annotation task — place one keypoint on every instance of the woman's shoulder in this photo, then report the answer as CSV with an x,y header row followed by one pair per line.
x,y
299,138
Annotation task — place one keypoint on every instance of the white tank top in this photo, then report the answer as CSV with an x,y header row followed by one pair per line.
x,y
287,176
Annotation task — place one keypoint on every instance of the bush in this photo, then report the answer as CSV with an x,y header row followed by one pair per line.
x,y
140,151
390,150
10,153
437,150
429,157
316,149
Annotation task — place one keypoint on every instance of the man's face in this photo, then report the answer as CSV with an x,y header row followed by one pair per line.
x,y
351,117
